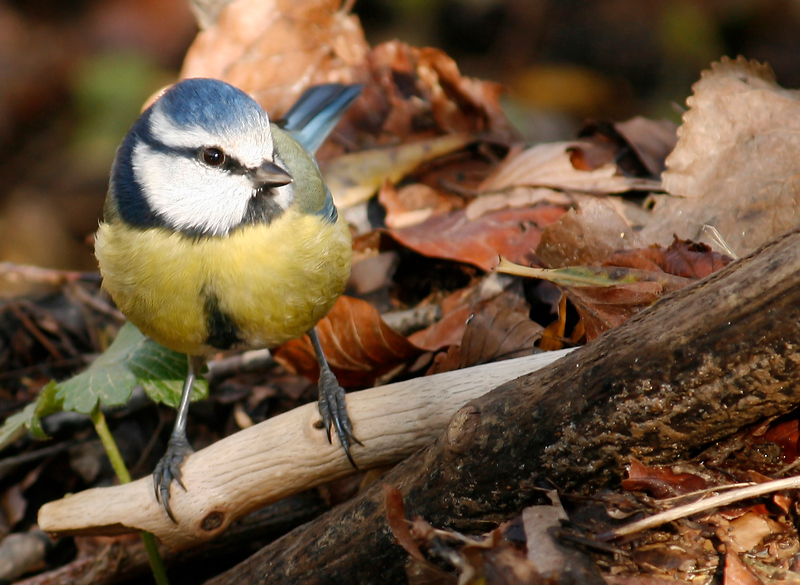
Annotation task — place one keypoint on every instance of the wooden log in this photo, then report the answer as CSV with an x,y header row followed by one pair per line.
x,y
284,455
701,364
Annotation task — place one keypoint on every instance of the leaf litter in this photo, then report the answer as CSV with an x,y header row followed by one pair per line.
x,y
601,232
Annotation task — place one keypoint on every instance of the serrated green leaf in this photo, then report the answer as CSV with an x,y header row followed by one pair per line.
x,y
29,418
132,359
16,425
47,403
162,372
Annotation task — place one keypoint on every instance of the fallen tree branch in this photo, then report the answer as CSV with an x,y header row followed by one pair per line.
x,y
282,456
699,365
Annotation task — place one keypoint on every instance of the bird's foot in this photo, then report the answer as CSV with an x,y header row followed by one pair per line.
x,y
333,409
169,469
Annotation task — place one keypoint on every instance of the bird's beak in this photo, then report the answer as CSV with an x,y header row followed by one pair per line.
x,y
271,175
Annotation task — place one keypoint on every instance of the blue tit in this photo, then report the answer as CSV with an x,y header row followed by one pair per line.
x,y
219,233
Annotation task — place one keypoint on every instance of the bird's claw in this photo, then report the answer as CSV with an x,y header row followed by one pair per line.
x,y
169,469
333,409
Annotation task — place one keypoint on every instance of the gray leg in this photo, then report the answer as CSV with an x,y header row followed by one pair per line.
x,y
332,405
169,468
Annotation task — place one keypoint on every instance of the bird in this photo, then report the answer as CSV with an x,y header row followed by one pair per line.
x,y
219,233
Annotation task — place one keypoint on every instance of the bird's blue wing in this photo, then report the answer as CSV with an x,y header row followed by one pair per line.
x,y
317,111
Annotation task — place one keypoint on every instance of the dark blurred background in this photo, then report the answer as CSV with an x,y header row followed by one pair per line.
x,y
74,74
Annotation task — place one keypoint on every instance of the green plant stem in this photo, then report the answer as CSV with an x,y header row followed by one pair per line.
x,y
124,476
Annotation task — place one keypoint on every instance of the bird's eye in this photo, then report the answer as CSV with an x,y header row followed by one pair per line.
x,y
213,156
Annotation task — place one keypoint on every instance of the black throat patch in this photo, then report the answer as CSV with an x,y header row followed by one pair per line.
x,y
222,330
262,209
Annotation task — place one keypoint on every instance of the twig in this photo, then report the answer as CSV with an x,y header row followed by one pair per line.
x,y
35,274
249,361
34,330
411,320
702,506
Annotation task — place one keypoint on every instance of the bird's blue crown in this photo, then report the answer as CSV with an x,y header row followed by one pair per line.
x,y
210,104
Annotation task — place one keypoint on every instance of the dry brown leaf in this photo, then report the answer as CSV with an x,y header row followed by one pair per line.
x,y
585,236
746,531
786,434
513,196
637,146
737,573
275,49
651,140
412,94
500,564
359,346
486,560
503,330
735,165
603,308
551,165
372,272
553,335
660,480
396,519
516,197
512,233
604,296
425,89
413,204
683,258
500,329
456,310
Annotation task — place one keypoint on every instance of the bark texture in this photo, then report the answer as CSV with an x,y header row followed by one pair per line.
x,y
699,365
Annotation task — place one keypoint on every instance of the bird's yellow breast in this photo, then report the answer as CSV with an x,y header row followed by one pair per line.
x,y
262,284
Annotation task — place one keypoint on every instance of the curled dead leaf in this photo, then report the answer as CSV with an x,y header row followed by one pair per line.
x,y
683,258
359,345
499,329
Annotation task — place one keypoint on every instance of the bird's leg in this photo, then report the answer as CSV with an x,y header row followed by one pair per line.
x,y
332,405
169,468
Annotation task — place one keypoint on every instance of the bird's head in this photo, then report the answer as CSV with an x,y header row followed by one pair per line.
x,y
200,161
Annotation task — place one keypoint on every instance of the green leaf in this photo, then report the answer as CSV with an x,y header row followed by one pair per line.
x,y
132,359
29,418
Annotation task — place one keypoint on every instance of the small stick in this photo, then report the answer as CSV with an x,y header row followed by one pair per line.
x,y
703,505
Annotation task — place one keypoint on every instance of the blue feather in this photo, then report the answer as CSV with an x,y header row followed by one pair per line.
x,y
211,104
317,111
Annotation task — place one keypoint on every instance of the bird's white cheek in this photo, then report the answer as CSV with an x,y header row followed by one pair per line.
x,y
188,194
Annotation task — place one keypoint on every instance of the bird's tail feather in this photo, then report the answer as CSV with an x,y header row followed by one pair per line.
x,y
317,111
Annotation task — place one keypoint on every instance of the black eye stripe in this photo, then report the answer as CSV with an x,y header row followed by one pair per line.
x,y
228,163
231,164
